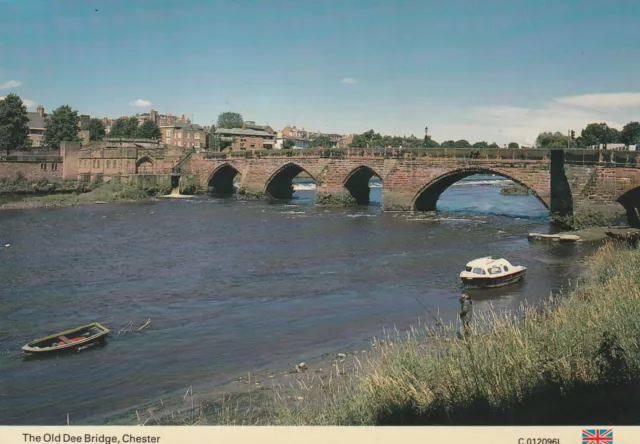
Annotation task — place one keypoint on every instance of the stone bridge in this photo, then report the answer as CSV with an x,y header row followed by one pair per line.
x,y
605,183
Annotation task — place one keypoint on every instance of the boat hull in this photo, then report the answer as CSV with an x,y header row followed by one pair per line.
x,y
493,282
98,335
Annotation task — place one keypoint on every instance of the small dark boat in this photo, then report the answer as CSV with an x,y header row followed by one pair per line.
x,y
77,338
491,273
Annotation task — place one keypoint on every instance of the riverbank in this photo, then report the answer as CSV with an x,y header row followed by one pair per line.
x,y
108,193
567,364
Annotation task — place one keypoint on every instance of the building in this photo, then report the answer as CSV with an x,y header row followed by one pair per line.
x,y
251,125
299,143
36,126
246,139
161,119
186,135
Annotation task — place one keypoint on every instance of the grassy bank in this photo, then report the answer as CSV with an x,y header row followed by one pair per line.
x,y
107,193
573,362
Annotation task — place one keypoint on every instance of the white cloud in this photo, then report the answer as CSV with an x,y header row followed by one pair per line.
x,y
504,124
10,84
140,103
603,101
28,103
349,80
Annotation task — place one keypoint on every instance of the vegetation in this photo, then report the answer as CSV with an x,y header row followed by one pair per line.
x,y
148,130
20,184
372,139
96,130
514,190
288,144
573,361
322,141
62,125
592,134
107,193
230,120
14,123
514,145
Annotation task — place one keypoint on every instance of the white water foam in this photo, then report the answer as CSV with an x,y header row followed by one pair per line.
x,y
471,183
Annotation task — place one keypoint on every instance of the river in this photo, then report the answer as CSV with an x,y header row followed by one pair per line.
x,y
233,287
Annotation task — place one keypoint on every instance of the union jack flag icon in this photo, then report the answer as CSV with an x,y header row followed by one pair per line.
x,y
597,436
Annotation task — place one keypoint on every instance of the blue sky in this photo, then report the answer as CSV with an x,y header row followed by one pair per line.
x,y
479,70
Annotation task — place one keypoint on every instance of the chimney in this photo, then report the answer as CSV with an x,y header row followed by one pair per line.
x,y
40,111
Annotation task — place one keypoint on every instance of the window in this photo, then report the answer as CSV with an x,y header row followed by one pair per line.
x,y
179,134
196,136
252,145
478,271
468,268
108,164
168,133
505,268
494,270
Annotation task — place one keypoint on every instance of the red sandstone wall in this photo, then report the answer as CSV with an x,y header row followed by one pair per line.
x,y
32,171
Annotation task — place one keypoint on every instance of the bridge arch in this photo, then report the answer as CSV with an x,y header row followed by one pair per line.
x,y
144,165
357,183
221,179
280,183
427,197
630,200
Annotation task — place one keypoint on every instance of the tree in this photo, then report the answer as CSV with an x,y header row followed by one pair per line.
x,y
321,141
124,127
597,133
448,144
554,140
480,145
462,144
630,134
148,130
288,144
14,123
514,145
430,143
62,125
230,120
493,146
96,130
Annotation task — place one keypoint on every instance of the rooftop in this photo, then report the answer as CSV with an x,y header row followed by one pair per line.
x,y
35,120
188,126
243,132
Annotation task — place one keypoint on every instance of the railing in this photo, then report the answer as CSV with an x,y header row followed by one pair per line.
x,y
572,156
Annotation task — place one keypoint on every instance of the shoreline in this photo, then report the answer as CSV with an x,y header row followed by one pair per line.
x,y
325,392
254,395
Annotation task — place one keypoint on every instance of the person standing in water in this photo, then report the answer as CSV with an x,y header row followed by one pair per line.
x,y
466,312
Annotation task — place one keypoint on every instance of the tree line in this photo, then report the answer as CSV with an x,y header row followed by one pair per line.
x,y
372,139
62,124
592,134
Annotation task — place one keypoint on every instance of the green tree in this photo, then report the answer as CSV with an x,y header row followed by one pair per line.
x,y
124,127
448,144
430,143
493,146
62,125
230,120
96,130
597,133
480,145
514,145
462,144
630,134
554,140
288,144
321,141
14,123
148,130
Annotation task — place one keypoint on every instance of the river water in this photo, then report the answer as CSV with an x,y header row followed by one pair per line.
x,y
233,287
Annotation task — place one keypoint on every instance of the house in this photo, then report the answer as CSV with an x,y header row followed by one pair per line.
x,y
36,126
251,125
186,135
246,139
299,143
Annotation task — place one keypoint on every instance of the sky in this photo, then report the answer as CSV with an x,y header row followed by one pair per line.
x,y
492,70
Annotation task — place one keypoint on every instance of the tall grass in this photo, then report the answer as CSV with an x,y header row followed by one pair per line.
x,y
575,363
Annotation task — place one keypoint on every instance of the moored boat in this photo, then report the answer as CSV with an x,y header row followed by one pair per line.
x,y
74,339
487,272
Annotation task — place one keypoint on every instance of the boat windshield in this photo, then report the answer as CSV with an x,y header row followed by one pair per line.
x,y
478,271
468,268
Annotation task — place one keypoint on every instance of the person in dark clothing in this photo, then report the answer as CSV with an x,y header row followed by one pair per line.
x,y
466,311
